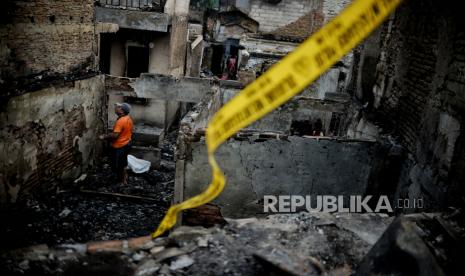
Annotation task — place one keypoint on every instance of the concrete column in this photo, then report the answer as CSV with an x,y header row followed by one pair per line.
x,y
169,7
178,40
181,7
178,47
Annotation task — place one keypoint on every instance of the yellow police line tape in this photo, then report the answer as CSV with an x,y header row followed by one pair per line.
x,y
280,83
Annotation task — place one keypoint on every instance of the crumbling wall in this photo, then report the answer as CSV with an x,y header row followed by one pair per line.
x,y
294,19
302,110
272,16
274,156
417,94
114,49
155,98
256,165
133,19
49,135
265,53
43,39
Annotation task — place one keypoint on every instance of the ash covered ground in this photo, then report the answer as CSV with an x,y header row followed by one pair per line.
x,y
70,215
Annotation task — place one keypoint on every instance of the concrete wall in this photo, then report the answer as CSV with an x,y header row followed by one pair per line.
x,y
304,110
152,113
160,64
159,55
298,109
263,160
169,88
417,94
294,166
162,93
157,111
129,19
49,136
44,39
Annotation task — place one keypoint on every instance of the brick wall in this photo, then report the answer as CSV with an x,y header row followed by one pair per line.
x,y
302,27
51,107
274,16
44,38
49,136
419,96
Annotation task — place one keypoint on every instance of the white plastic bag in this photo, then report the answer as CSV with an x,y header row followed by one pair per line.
x,y
138,165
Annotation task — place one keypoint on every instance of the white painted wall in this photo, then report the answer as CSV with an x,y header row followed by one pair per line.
x,y
159,62
152,114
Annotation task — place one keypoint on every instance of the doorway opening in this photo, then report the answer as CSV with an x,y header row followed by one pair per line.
x,y
137,61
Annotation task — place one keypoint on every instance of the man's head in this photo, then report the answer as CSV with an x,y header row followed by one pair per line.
x,y
122,109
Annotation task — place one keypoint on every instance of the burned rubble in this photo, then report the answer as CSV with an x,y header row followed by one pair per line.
x,y
386,121
312,244
94,207
294,244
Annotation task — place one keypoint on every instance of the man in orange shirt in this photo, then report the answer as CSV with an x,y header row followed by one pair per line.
x,y
120,141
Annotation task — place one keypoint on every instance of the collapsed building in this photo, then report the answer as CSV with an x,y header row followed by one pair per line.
x,y
386,120
363,119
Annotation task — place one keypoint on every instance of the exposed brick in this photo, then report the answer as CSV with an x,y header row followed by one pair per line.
x,y
422,100
302,27
273,16
144,242
56,127
47,37
205,215
105,246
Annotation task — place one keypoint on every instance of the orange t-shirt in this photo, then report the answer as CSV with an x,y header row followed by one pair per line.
x,y
123,126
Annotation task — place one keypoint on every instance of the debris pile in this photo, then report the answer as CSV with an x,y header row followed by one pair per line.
x,y
96,208
296,244
284,244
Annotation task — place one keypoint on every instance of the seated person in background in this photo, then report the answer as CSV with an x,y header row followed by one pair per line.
x,y
318,128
